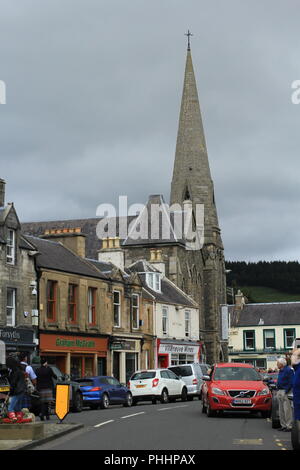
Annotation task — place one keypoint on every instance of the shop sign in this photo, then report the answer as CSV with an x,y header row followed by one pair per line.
x,y
78,343
178,349
16,335
118,345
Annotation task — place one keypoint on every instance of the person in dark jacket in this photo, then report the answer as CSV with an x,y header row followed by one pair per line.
x,y
17,383
296,383
44,385
284,385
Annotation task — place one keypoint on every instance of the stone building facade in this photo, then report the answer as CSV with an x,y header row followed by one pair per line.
x,y
18,288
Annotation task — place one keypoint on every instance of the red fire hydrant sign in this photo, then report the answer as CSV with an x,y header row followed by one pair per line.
x,y
62,403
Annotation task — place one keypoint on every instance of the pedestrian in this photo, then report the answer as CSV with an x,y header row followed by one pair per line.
x,y
295,358
17,383
284,385
30,379
45,387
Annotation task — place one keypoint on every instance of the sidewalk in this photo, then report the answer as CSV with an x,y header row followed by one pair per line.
x,y
52,430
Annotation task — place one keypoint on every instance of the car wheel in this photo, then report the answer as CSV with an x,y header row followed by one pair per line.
x,y
129,400
265,414
78,403
184,395
190,398
209,412
164,398
295,435
104,404
134,402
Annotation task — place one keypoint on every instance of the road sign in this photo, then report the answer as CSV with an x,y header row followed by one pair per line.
x,y
62,402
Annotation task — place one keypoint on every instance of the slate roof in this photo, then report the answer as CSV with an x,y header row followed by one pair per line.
x,y
170,293
281,313
54,256
88,228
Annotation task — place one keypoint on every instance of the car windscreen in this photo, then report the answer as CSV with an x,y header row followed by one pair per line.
x,y
184,371
143,375
85,382
236,373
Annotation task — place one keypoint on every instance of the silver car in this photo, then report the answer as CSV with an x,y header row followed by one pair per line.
x,y
192,375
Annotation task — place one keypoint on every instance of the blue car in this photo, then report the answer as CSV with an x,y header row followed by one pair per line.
x,y
103,391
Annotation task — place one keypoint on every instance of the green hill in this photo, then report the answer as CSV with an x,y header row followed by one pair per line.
x,y
256,294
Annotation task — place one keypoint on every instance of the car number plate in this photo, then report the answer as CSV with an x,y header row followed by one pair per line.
x,y
4,389
243,401
140,386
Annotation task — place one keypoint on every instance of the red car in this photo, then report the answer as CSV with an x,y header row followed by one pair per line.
x,y
233,387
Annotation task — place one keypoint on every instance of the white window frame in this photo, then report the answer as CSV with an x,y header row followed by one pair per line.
x,y
12,307
11,247
137,309
91,294
119,309
154,281
165,323
187,323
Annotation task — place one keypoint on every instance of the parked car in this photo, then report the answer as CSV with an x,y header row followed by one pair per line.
x,y
156,384
103,391
76,397
233,387
192,375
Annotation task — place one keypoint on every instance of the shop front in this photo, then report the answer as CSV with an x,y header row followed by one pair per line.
x,y
175,352
125,357
18,339
77,356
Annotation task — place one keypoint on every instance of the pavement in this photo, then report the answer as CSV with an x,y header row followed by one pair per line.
x,y
52,430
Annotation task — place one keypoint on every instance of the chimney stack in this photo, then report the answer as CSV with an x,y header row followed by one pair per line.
x,y
112,252
156,260
71,238
2,193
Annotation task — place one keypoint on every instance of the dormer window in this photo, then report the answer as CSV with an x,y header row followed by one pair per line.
x,y
11,247
153,281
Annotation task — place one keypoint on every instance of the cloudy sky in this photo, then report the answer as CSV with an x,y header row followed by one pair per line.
x,y
93,97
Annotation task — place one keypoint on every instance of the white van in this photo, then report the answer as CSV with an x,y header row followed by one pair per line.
x,y
192,375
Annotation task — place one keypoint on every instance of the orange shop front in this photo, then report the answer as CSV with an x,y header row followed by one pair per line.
x,y
77,356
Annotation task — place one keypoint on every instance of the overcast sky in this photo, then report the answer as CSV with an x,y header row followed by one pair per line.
x,y
93,98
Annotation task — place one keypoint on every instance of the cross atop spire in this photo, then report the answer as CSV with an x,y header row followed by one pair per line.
x,y
188,34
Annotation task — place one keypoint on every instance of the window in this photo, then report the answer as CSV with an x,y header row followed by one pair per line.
x,y
269,339
187,323
117,308
11,247
289,336
72,307
135,311
153,281
92,305
11,307
165,320
177,359
249,340
51,300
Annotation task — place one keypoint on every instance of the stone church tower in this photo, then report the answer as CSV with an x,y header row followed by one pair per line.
x,y
192,181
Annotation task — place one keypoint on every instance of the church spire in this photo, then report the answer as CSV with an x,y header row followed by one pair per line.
x,y
191,173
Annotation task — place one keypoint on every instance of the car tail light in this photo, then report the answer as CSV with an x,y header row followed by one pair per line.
x,y
95,389
195,381
128,385
155,382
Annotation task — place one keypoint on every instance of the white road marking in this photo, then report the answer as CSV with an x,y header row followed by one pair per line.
x,y
135,414
171,407
105,422
248,442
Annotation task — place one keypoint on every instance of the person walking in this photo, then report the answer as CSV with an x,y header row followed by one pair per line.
x,y
284,385
295,358
17,383
45,387
30,377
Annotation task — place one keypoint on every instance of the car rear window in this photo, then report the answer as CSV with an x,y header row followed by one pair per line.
x,y
184,371
236,373
143,375
85,382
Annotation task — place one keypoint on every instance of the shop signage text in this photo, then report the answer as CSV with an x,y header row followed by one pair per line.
x,y
13,335
78,343
178,348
